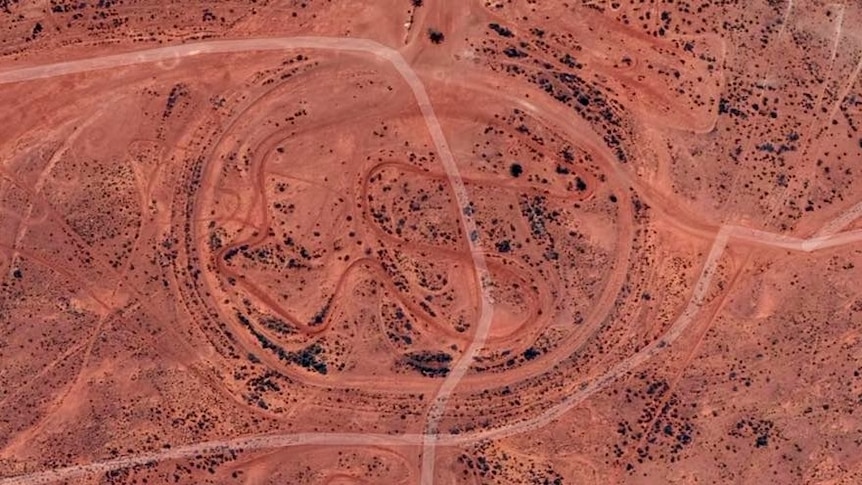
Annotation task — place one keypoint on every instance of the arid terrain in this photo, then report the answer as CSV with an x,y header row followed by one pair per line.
x,y
407,241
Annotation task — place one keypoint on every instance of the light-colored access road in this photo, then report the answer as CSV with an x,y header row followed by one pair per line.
x,y
826,238
262,442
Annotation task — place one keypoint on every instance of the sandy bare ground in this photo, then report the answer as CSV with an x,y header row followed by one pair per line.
x,y
828,237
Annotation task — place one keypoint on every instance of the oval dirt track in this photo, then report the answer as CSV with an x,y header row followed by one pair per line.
x,y
415,256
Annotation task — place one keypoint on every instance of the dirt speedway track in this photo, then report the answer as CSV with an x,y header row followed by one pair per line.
x,y
524,253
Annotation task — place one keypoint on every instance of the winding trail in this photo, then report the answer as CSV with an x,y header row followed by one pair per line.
x,y
826,238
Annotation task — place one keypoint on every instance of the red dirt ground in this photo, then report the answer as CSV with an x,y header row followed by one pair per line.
x,y
619,242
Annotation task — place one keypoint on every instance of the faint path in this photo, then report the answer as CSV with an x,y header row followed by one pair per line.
x,y
824,239
44,175
842,221
781,29
468,224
